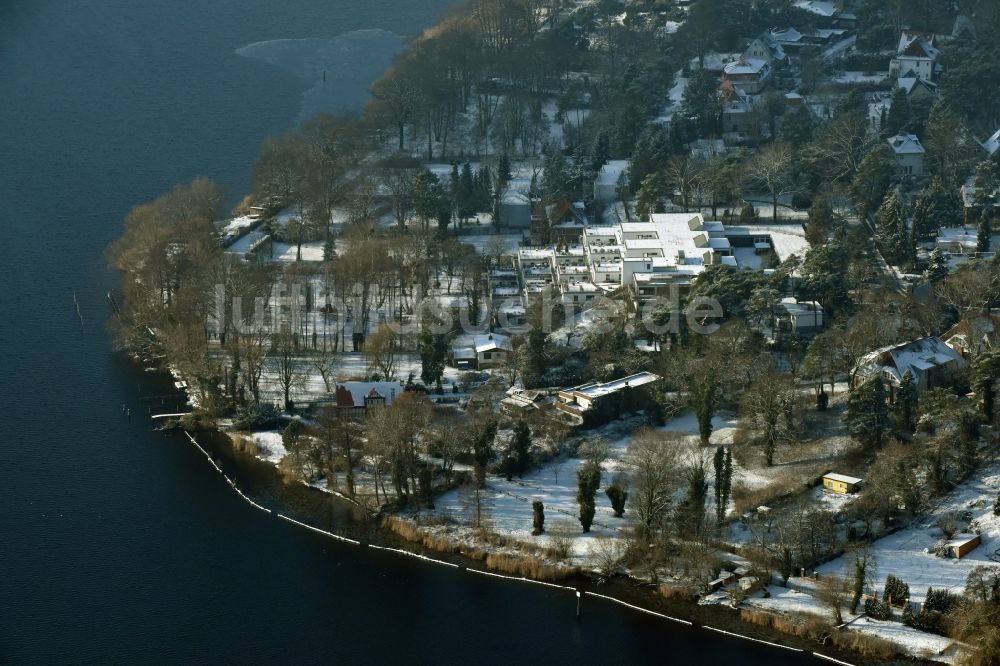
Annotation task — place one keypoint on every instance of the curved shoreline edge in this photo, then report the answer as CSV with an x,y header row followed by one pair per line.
x,y
579,592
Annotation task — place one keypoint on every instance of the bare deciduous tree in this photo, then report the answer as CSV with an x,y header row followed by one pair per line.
x,y
771,168
653,462
380,351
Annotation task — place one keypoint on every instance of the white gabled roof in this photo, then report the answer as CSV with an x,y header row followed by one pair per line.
x,y
786,35
801,308
842,478
746,66
490,341
922,44
905,144
819,7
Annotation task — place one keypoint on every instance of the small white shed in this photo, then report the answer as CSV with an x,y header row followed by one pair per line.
x,y
606,183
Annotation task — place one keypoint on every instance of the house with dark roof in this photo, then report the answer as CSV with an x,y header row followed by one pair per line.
x,y
909,153
974,334
599,402
749,74
558,222
481,352
768,47
354,399
930,362
738,115
915,57
991,144
917,88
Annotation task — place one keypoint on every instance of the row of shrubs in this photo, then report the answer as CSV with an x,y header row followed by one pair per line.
x,y
930,617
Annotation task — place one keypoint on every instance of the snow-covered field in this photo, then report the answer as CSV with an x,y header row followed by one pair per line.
x,y
860,77
674,97
902,554
787,600
914,642
486,241
269,446
285,253
507,506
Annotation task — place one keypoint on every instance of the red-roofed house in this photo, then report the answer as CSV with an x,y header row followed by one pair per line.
x,y
974,334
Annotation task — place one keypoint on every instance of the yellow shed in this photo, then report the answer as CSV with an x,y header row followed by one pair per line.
x,y
840,483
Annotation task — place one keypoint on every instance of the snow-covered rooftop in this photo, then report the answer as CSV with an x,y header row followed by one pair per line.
x,y
905,144
745,66
916,357
489,342
843,478
800,308
598,389
786,35
819,7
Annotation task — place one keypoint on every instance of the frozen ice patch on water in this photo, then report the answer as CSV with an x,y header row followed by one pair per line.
x,y
349,63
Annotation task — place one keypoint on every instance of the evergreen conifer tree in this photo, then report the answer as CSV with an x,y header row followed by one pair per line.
x,y
906,402
588,480
537,517
718,463
617,494
521,448
937,266
867,412
984,232
891,229
899,113
727,481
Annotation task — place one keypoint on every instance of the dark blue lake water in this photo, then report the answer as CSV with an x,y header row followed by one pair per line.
x,y
121,545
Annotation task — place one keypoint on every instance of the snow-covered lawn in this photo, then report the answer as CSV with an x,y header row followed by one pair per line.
x,y
507,505
674,97
511,242
786,600
285,253
914,642
831,501
686,423
902,554
860,77
347,366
